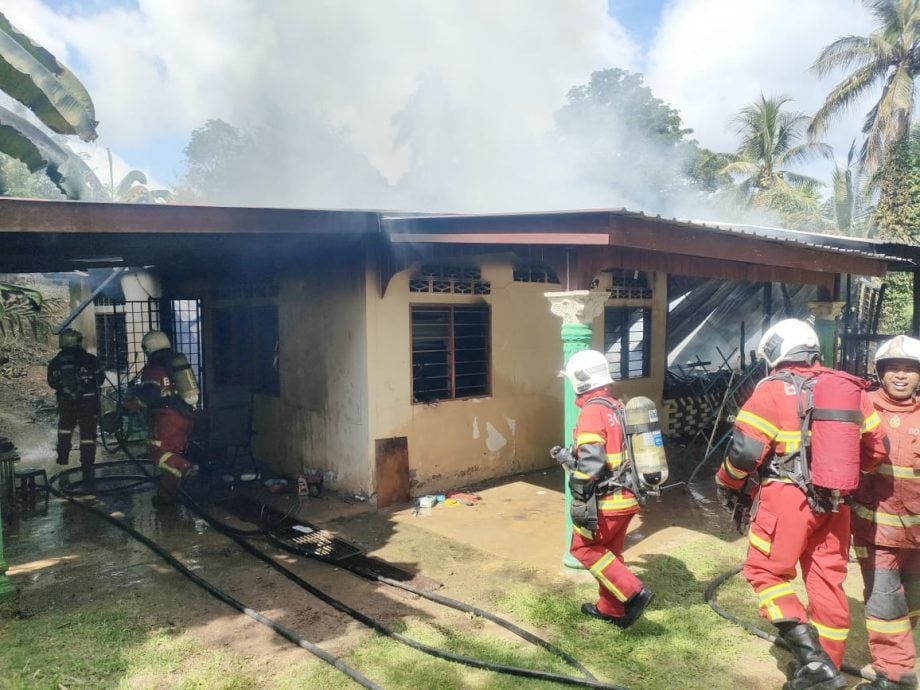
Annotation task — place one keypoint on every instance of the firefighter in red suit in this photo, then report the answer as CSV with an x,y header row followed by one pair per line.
x,y
75,375
886,520
602,507
169,392
794,524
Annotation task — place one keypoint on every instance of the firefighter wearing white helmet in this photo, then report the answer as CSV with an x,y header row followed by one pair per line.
x,y
169,393
75,375
601,510
790,340
886,520
799,521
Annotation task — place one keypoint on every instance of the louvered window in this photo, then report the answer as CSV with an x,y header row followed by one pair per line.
x,y
450,352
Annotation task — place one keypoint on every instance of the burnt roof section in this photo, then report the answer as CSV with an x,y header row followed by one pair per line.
x,y
42,236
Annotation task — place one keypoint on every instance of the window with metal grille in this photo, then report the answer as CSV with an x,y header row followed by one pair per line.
x,y
112,340
627,341
246,348
450,352
453,280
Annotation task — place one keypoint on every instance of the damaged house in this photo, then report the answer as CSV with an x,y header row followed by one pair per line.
x,y
404,353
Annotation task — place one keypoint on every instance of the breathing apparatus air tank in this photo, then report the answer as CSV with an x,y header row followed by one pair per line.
x,y
184,379
646,443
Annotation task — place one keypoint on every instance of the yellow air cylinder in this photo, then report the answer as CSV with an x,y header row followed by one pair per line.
x,y
184,379
644,433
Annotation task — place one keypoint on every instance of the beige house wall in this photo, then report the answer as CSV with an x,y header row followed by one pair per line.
x,y
453,443
320,420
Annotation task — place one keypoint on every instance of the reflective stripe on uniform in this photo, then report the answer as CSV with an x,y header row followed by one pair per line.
x,y
163,466
597,570
898,471
589,437
829,633
89,442
155,442
898,626
887,519
733,471
861,551
759,543
586,533
614,460
577,474
870,422
616,501
64,432
758,423
767,599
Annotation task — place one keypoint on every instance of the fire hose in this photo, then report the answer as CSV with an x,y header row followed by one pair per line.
x,y
240,538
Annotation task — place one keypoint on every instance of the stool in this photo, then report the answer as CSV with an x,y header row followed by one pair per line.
x,y
27,486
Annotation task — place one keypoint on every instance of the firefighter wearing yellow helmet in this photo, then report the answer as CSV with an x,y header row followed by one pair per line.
x,y
886,520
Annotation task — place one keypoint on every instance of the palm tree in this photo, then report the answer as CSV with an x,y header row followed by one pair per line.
x,y
850,204
771,141
889,56
34,77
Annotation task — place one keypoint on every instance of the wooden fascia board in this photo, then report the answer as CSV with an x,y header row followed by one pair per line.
x,y
29,216
577,268
700,243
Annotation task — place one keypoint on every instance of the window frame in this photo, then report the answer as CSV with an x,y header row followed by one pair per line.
x,y
260,382
419,397
627,310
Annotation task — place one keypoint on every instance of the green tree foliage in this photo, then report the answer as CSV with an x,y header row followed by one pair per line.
x,y
17,181
623,137
215,156
897,217
34,77
887,57
771,143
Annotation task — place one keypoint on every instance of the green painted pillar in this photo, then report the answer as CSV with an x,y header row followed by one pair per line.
x,y
6,587
578,308
826,314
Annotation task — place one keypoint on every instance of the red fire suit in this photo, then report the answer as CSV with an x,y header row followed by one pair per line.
x,y
599,443
75,375
785,530
886,536
170,420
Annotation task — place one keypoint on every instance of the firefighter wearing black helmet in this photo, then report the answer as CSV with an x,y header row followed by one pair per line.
x,y
75,375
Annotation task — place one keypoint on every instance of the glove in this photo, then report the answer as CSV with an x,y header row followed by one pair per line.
x,y
727,498
563,456
584,513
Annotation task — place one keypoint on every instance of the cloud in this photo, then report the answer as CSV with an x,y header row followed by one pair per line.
x,y
350,67
710,58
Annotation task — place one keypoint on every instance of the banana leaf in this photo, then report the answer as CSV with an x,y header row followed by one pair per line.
x,y
35,78
24,141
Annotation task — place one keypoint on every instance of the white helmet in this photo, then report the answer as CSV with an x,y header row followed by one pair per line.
x,y
790,340
587,370
899,347
155,341
70,337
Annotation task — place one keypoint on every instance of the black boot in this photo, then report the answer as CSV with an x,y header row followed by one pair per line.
x,y
906,682
635,605
815,669
89,478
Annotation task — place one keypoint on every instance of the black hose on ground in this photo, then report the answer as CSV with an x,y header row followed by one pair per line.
x,y
753,629
589,682
218,593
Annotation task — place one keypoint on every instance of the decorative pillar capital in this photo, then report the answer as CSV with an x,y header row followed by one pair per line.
x,y
577,306
826,311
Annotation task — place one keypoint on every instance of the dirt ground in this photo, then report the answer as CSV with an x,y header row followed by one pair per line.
x,y
61,558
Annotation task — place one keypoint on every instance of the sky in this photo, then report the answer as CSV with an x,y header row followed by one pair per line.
x,y
452,99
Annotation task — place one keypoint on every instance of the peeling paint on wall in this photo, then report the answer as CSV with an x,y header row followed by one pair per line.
x,y
475,428
494,440
512,425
